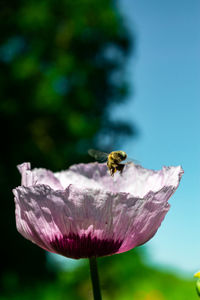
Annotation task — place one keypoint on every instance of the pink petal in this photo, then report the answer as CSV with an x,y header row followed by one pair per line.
x,y
71,222
26,173
135,179
38,176
91,175
96,215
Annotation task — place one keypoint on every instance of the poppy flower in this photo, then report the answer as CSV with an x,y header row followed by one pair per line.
x,y
83,212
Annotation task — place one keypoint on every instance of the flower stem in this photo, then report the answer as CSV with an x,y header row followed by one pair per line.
x,y
95,278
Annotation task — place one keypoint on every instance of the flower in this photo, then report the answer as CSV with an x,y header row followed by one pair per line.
x,y
84,212
197,275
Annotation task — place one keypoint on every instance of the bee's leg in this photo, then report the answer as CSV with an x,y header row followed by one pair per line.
x,y
112,171
120,168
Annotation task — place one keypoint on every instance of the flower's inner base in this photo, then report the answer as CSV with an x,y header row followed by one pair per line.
x,y
74,246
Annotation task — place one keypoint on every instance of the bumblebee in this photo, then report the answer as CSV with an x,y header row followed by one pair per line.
x,y
114,159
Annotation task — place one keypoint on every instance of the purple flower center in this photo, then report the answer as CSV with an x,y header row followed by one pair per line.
x,y
74,246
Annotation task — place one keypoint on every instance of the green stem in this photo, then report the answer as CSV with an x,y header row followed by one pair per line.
x,y
95,278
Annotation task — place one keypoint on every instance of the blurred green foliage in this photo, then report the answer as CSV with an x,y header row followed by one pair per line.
x,y
122,277
61,71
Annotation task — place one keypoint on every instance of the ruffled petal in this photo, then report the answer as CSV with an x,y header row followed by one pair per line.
x,y
96,214
47,217
146,218
134,179
139,181
38,176
92,175
46,177
27,175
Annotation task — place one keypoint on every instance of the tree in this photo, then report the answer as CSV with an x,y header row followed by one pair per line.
x,y
62,66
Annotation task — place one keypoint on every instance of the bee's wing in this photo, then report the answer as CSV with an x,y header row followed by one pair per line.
x,y
98,155
132,160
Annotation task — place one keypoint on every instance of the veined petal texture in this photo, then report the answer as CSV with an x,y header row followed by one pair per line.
x,y
84,212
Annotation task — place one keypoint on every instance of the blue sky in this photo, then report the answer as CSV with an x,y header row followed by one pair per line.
x,y
164,73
